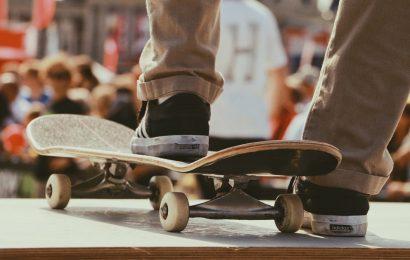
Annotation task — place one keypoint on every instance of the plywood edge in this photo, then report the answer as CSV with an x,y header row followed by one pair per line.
x,y
207,252
180,166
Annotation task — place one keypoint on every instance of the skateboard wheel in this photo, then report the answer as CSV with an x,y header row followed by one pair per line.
x,y
159,186
58,191
292,208
174,212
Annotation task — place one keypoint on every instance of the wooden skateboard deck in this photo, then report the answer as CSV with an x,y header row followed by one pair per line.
x,y
102,140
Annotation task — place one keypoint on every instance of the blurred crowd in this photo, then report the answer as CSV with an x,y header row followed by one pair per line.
x,y
77,85
66,84
59,84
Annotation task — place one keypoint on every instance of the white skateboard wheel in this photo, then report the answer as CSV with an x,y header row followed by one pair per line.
x,y
292,208
58,191
159,186
174,212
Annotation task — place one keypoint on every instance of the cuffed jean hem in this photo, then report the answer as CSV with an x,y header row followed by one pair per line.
x,y
352,180
157,88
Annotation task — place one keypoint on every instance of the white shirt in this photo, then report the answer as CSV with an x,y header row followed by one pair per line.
x,y
297,126
250,45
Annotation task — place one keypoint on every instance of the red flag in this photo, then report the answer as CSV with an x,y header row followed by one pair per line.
x,y
4,10
43,13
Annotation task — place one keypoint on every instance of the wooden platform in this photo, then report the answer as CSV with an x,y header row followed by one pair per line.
x,y
129,229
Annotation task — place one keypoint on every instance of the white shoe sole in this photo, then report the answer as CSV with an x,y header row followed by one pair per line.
x,y
330,225
171,146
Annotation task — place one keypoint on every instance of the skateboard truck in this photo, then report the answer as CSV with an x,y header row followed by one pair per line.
x,y
231,203
235,204
111,177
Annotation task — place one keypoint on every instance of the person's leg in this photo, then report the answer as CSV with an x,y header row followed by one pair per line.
x,y
362,91
180,55
178,80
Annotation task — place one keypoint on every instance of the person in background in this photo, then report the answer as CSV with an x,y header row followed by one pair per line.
x,y
125,106
303,84
84,75
33,89
102,99
9,89
58,75
253,62
13,136
17,108
398,186
5,112
12,67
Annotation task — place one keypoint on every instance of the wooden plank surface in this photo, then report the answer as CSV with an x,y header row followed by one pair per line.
x,y
129,228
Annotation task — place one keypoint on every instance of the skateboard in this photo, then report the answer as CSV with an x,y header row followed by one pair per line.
x,y
107,145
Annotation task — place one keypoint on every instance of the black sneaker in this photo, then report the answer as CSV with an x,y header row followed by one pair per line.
x,y
175,128
333,211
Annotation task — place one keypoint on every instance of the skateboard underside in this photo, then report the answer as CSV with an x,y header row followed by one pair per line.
x,y
105,141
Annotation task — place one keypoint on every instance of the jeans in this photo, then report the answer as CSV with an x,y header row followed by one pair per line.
x,y
363,86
